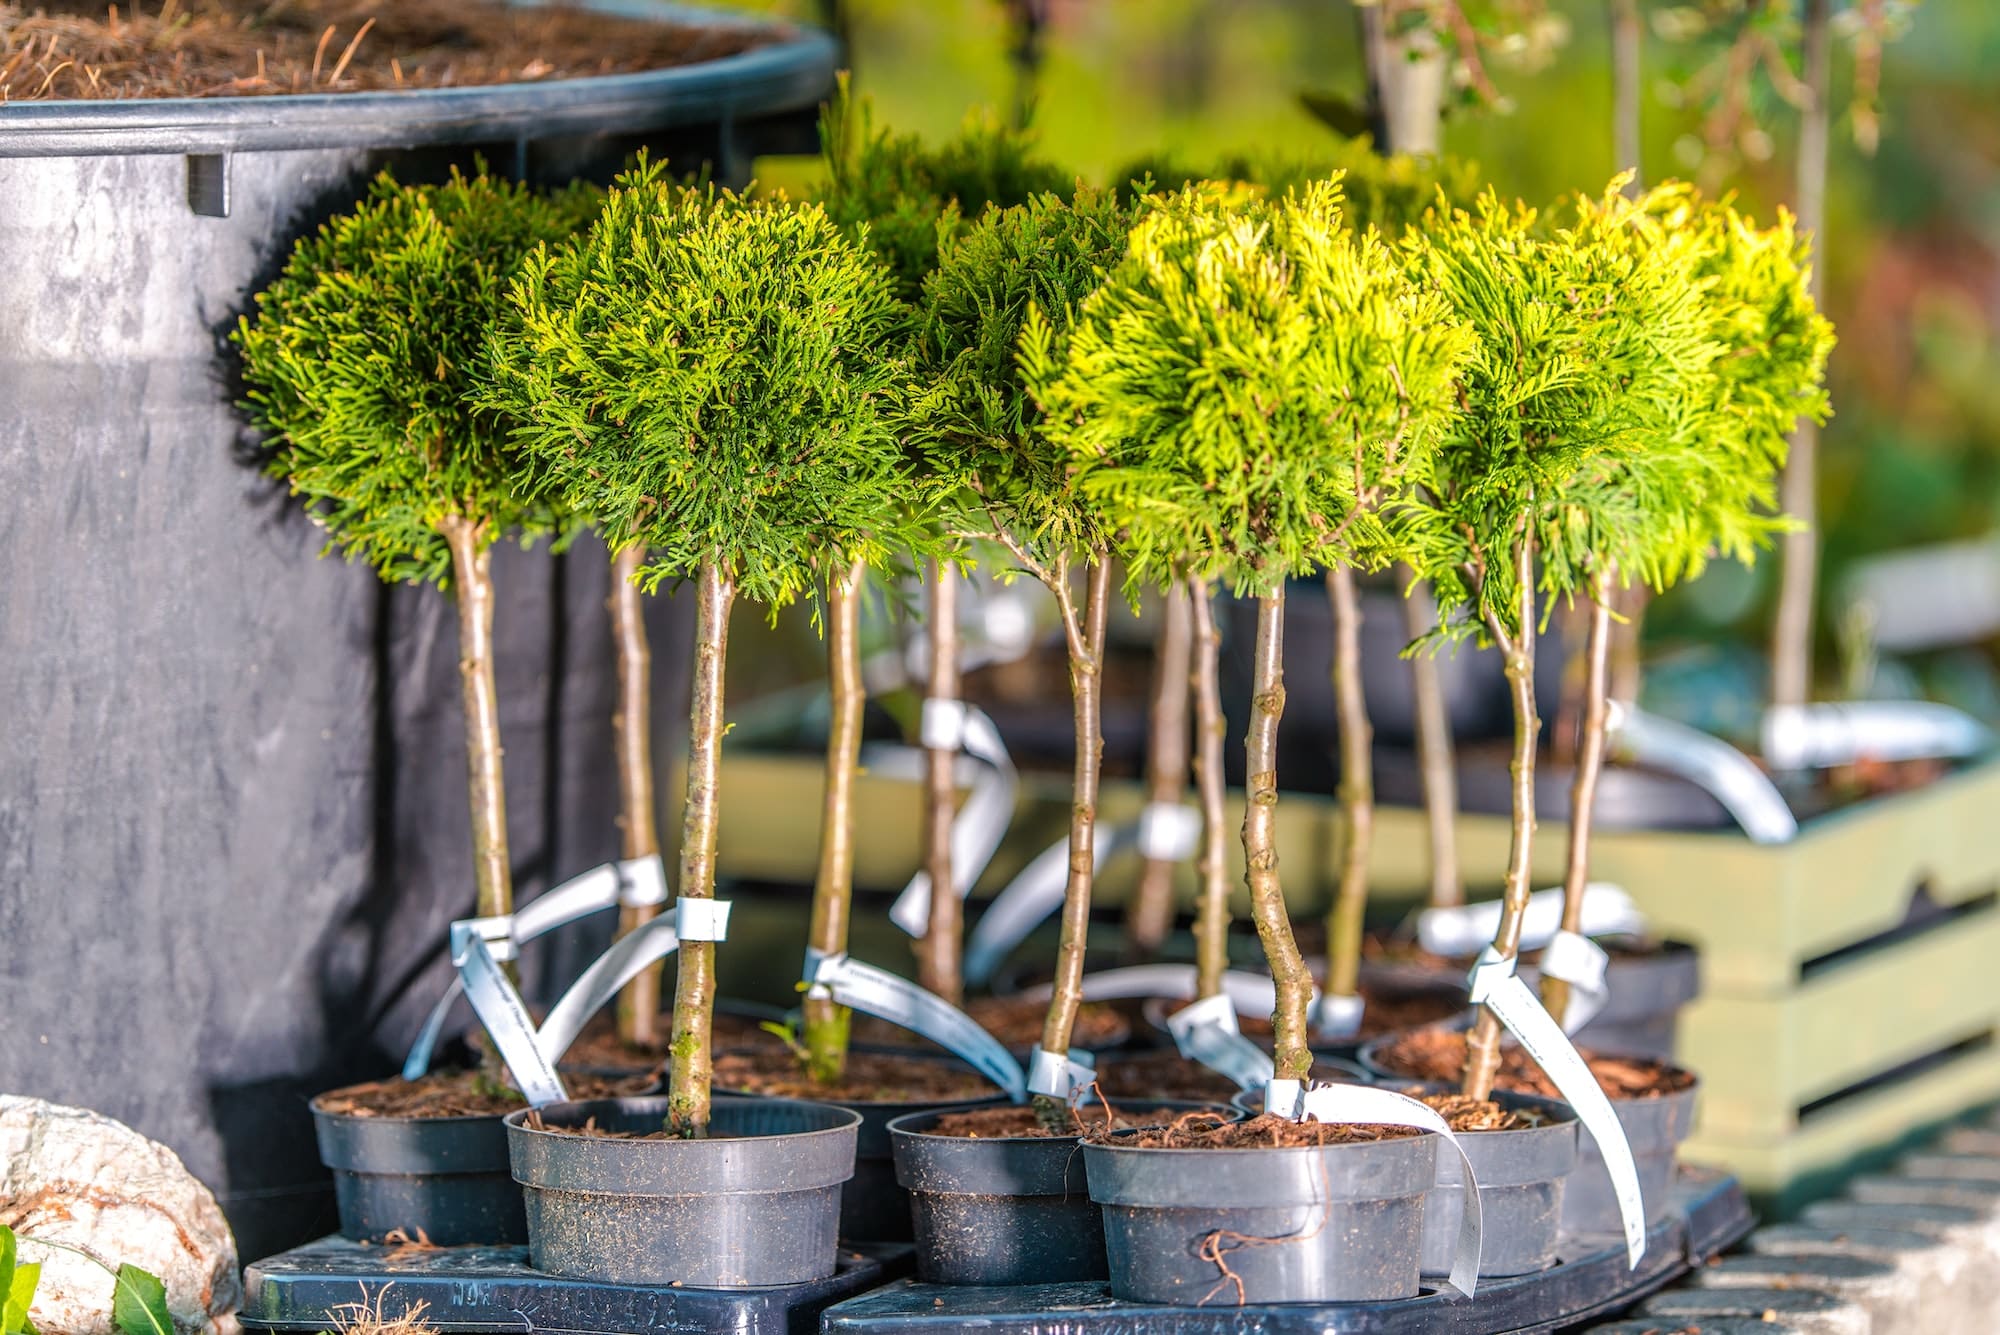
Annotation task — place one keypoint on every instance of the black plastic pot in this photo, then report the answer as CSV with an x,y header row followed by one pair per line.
x,y
758,1203
1000,1210
1655,1129
442,1178
1337,1223
1628,797
1521,1175
166,603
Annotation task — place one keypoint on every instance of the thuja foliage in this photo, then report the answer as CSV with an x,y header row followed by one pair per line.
x,y
363,356
706,372
901,196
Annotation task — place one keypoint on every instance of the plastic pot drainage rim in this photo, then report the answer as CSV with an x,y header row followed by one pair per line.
x,y
758,1203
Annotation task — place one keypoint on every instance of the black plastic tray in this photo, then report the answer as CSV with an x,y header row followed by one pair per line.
x,y
467,1289
1710,1213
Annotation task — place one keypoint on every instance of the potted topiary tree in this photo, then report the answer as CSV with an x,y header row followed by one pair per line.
x,y
361,362
742,437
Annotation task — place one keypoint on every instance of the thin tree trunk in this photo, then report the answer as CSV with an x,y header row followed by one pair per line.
x,y
1625,87
632,735
1289,975
1211,925
1482,1057
1028,20
1086,679
1406,77
694,990
472,581
1357,789
1792,633
833,885
1583,787
1434,752
1627,672
939,948
1150,915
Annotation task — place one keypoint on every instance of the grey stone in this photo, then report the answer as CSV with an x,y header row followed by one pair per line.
x,y
1727,1325
72,1176
1808,1311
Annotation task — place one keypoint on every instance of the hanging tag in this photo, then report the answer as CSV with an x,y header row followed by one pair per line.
x,y
1385,1107
1031,898
628,956
1819,736
642,882
1169,832
1729,775
942,725
1466,929
497,933
865,988
1580,962
1496,986
499,1008
1206,1032
1335,1018
981,822
701,919
1060,1076
1250,993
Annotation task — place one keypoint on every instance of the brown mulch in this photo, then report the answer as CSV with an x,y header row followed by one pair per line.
x,y
599,1045
1384,1012
65,49
1464,1114
1011,1122
872,1077
1202,1131
1439,1055
1015,1021
1168,1075
459,1094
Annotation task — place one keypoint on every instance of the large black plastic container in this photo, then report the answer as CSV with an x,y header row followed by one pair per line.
x,y
218,745
1337,1223
442,1178
1642,1015
756,1203
1001,1210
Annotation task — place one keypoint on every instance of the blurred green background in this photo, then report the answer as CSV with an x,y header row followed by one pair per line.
x,y
1913,454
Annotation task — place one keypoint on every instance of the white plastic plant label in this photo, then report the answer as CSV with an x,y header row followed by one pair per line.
x,y
642,882
601,982
1582,963
1385,1107
701,919
1206,1032
1821,735
1169,832
500,1009
1466,929
1336,1017
941,727
899,1001
981,822
1250,993
1060,1075
1496,986
1031,898
1735,781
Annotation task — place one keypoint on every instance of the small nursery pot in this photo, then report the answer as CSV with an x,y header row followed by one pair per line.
x,y
755,1204
442,1178
1521,1176
1655,1129
1641,1017
999,1210
1345,1222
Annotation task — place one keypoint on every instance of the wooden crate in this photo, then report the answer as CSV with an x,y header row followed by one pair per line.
x,y
1832,1020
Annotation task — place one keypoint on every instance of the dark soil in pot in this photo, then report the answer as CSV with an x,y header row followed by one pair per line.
x,y
1262,1211
252,48
598,1049
996,1198
1522,1150
1654,1101
880,1087
1629,797
428,1158
1015,1021
755,1203
1389,1009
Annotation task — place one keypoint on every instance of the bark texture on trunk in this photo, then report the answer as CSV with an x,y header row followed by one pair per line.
x,y
1626,36
939,948
1357,789
1435,764
632,734
1798,585
833,884
1289,974
472,589
1086,678
689,1067
1482,1058
1150,915
1211,926
1583,786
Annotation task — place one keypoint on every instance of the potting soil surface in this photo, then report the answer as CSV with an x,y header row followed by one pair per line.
x,y
460,1094
1385,1011
1015,1021
1017,1123
1168,1075
68,49
1204,1131
872,1077
1439,1055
